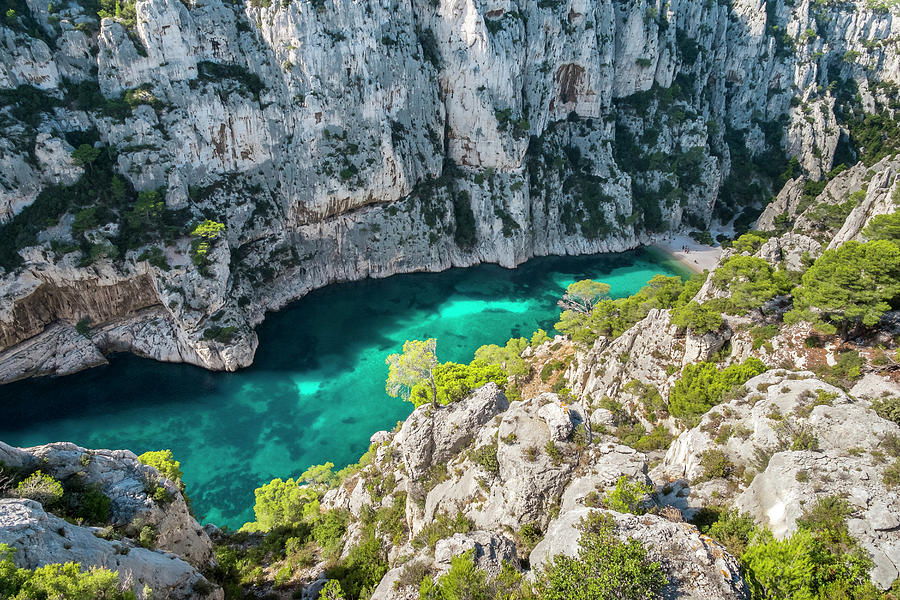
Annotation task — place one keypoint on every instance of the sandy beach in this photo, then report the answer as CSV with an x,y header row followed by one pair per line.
x,y
695,256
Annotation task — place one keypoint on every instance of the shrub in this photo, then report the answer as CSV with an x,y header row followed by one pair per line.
x,y
698,318
332,591
83,327
440,527
748,242
703,385
486,456
627,497
463,580
762,334
148,536
40,487
891,476
733,530
164,462
530,535
57,581
827,518
888,408
801,566
362,569
280,503
328,531
553,452
606,567
715,464
750,281
455,381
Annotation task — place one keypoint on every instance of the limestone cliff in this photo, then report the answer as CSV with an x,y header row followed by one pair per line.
x,y
338,140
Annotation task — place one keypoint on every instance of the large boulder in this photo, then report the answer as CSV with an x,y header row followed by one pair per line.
x,y
432,435
126,481
39,538
770,414
697,567
793,481
489,551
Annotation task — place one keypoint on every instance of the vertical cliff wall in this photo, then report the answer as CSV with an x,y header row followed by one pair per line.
x,y
337,140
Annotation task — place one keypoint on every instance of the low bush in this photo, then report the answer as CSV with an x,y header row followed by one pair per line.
x,y
703,385
627,497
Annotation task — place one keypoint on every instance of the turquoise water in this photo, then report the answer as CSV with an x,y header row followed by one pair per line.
x,y
316,391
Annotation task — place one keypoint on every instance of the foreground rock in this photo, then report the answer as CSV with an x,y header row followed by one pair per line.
x,y
39,538
787,440
128,484
697,567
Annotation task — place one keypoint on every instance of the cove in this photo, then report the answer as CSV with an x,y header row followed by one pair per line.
x,y
316,390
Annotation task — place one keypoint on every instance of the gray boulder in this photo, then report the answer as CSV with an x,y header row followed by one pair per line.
x,y
697,567
793,481
125,480
39,538
431,435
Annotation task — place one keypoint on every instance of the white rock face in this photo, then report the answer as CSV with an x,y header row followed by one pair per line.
x,y
777,497
39,538
432,435
124,480
696,566
319,133
808,440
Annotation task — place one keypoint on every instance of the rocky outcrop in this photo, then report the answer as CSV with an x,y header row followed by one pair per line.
x,y
696,566
129,485
39,538
788,439
432,435
855,195
792,481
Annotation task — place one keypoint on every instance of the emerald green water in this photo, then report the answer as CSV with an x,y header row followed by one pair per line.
x,y
316,390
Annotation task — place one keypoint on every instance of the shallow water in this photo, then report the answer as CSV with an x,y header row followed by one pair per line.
x,y
316,390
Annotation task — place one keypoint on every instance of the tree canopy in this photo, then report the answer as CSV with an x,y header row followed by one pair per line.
x,y
581,296
280,503
698,318
84,155
703,385
612,317
454,381
606,568
750,282
58,581
413,366
884,227
509,357
848,285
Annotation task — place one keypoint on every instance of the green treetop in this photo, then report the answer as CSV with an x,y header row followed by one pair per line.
x,y
582,295
208,230
884,227
848,285
509,357
699,318
147,208
750,281
84,155
414,365
164,462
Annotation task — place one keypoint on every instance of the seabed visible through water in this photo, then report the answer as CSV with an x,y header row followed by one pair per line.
x,y
316,390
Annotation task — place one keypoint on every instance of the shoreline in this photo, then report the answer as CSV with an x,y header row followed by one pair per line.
x,y
695,257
